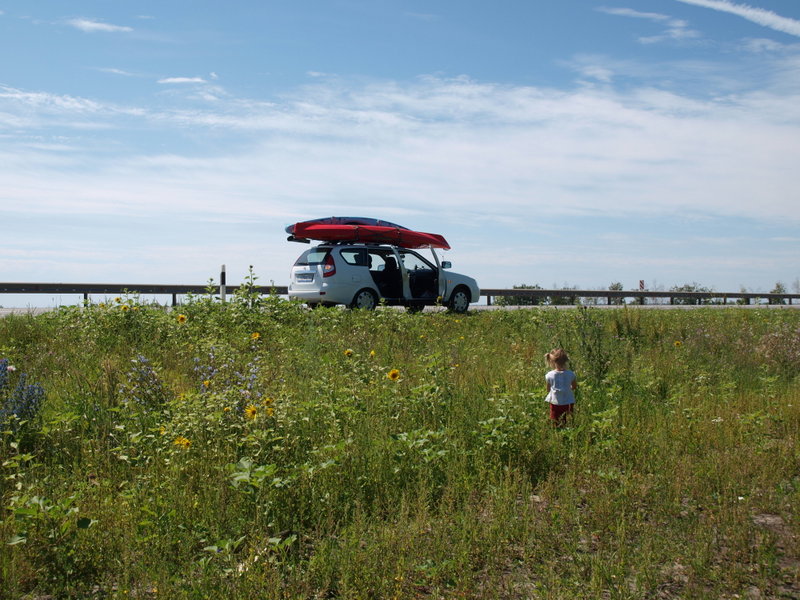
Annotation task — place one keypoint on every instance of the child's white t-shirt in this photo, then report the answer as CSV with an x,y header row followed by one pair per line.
x,y
560,387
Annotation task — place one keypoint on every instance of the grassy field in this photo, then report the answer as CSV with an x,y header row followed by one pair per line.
x,y
259,450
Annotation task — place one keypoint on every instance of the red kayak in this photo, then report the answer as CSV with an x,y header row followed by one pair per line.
x,y
377,234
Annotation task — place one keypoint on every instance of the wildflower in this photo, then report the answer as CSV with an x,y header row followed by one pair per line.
x,y
269,411
125,308
117,299
181,319
162,430
255,336
226,409
678,343
11,368
372,353
101,305
348,353
207,383
182,442
250,411
268,401
394,374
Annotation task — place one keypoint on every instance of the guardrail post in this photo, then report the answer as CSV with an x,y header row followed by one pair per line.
x,y
222,288
174,300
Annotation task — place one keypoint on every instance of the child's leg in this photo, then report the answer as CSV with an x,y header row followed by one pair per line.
x,y
559,412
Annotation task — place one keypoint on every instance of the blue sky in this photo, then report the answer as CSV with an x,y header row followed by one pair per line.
x,y
577,142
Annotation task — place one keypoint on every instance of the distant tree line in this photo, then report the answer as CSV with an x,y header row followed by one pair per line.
x,y
565,298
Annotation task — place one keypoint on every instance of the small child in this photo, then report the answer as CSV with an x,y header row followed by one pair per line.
x,y
561,385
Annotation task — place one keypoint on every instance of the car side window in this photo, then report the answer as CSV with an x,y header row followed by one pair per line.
x,y
376,261
414,262
354,256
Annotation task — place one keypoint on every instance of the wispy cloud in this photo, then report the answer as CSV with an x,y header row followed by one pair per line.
x,y
93,26
182,80
677,29
629,12
114,71
761,16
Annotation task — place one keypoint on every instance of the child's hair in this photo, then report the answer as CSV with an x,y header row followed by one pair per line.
x,y
556,358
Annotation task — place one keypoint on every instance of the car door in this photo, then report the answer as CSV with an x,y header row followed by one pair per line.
x,y
422,275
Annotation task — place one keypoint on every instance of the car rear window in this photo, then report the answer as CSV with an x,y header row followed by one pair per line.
x,y
312,257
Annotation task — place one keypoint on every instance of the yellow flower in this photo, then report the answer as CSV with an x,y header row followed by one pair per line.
x,y
372,353
268,401
135,308
255,335
226,409
117,299
269,411
125,308
207,383
102,305
678,343
182,442
394,374
348,352
250,411
181,319
162,430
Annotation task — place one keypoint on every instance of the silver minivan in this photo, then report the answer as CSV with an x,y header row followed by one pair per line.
x,y
364,275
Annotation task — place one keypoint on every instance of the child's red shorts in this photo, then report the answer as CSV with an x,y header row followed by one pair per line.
x,y
559,412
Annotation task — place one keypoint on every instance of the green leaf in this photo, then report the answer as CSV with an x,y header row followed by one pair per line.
x,y
17,539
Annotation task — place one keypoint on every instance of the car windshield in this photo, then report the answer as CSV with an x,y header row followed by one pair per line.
x,y
312,257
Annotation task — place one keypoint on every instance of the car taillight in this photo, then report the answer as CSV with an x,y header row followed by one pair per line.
x,y
328,267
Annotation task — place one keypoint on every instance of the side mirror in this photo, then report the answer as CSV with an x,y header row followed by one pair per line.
x,y
446,264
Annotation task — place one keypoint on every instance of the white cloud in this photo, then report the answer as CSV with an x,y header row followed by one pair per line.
x,y
762,45
629,12
677,29
767,18
182,80
93,26
483,158
114,71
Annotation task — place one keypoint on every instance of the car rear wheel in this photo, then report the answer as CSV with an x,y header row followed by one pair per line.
x,y
365,299
459,300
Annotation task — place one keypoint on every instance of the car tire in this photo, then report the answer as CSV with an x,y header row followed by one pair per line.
x,y
365,299
459,300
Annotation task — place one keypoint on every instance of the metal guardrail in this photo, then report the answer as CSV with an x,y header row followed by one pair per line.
x,y
572,296
126,288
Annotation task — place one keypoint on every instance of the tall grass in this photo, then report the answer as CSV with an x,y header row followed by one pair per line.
x,y
256,449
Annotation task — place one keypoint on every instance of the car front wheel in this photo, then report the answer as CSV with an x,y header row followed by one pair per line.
x,y
459,300
365,299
